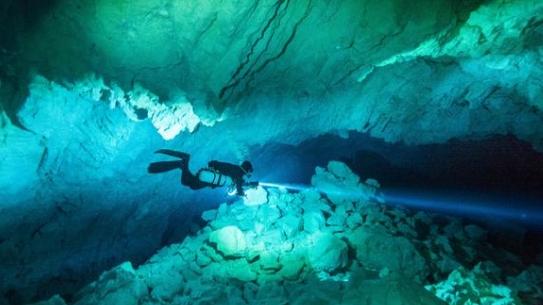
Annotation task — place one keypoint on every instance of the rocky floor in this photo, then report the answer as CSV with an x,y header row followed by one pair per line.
x,y
333,243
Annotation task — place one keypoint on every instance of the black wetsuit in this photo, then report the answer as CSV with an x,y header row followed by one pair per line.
x,y
235,172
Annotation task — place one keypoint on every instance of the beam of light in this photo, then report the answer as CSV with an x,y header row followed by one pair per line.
x,y
465,207
439,204
286,186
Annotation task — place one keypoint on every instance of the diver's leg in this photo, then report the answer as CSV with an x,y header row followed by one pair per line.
x,y
173,153
190,180
187,177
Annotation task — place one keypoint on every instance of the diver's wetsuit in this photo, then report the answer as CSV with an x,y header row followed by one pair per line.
x,y
235,172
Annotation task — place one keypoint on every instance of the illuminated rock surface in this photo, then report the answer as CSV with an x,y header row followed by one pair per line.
x,y
388,266
463,68
472,287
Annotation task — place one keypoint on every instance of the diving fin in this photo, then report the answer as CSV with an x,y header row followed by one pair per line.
x,y
164,166
173,153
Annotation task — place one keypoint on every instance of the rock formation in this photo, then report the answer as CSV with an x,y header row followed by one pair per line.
x,y
264,254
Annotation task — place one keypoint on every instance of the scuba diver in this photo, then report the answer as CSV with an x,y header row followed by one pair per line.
x,y
217,174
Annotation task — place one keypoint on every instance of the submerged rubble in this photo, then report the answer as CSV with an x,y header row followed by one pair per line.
x,y
313,247
473,287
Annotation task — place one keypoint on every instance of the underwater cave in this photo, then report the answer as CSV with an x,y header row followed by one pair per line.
x,y
271,152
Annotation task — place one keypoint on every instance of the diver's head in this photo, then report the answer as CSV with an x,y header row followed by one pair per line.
x,y
247,167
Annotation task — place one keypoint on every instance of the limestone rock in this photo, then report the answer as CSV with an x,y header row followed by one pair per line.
x,y
354,220
209,215
373,183
293,265
255,197
390,291
285,252
118,286
313,221
290,225
474,232
529,283
209,251
338,218
202,259
166,285
340,184
377,250
445,264
272,238
269,262
229,241
464,287
267,215
327,253
164,273
232,269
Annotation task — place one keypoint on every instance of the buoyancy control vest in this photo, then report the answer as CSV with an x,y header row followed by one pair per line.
x,y
214,178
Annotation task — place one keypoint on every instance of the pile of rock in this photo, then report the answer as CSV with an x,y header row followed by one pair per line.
x,y
340,247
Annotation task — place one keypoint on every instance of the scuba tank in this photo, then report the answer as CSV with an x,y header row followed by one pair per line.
x,y
214,178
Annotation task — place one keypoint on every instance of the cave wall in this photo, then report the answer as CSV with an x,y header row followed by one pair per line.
x,y
466,67
65,206
224,49
90,88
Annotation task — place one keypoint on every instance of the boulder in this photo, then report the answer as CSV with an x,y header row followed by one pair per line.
x,y
475,232
166,284
372,182
163,274
340,184
293,265
269,262
354,220
209,215
313,221
255,196
444,264
202,259
272,238
472,287
232,269
338,218
229,241
342,172
290,225
389,291
327,253
117,286
376,249
267,215
529,282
